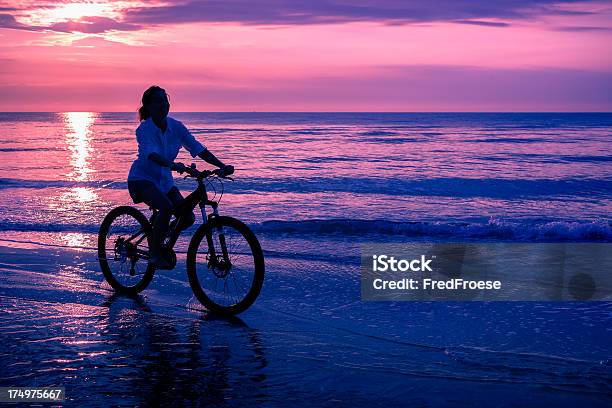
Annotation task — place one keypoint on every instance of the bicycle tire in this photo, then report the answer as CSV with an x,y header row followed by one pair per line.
x,y
102,250
258,263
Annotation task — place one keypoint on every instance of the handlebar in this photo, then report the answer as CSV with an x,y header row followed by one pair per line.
x,y
192,171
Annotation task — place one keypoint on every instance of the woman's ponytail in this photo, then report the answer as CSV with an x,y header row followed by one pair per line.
x,y
143,113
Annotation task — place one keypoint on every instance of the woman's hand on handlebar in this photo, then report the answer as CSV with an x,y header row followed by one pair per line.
x,y
178,167
226,171
222,172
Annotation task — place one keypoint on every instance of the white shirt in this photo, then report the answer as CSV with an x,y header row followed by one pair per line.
x,y
167,144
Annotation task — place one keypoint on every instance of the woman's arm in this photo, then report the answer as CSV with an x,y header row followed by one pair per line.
x,y
210,158
180,167
206,155
198,149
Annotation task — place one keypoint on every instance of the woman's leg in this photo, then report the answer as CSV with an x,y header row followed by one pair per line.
x,y
151,195
177,199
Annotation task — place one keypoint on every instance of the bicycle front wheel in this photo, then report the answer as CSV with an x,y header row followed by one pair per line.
x,y
123,250
225,265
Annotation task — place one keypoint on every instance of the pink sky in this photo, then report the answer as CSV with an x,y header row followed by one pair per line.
x,y
237,55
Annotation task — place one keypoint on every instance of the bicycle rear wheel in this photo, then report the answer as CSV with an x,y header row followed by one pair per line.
x,y
225,265
123,250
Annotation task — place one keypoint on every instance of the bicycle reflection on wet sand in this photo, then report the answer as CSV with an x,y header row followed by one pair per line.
x,y
163,362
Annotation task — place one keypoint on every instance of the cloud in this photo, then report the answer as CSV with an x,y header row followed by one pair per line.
x,y
580,29
89,25
93,25
482,23
8,21
303,12
279,12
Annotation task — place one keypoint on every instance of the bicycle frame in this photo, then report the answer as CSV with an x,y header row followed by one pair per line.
x,y
199,197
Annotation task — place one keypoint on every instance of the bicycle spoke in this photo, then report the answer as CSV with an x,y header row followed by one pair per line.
x,y
126,250
237,281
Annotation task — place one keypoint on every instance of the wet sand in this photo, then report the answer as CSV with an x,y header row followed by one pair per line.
x,y
307,341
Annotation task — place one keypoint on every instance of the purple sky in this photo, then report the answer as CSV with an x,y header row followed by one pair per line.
x,y
308,55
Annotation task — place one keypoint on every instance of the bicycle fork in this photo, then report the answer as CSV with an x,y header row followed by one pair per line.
x,y
225,264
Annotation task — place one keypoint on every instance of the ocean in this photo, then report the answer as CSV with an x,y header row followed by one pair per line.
x,y
313,187
509,176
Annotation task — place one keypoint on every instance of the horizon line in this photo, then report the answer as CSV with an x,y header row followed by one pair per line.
x,y
318,112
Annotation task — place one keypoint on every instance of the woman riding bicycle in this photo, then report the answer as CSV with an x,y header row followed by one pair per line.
x,y
150,179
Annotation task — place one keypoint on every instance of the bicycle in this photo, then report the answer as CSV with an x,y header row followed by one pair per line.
x,y
217,257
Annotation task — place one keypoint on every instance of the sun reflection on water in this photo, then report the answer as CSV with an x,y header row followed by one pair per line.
x,y
78,139
84,194
76,240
